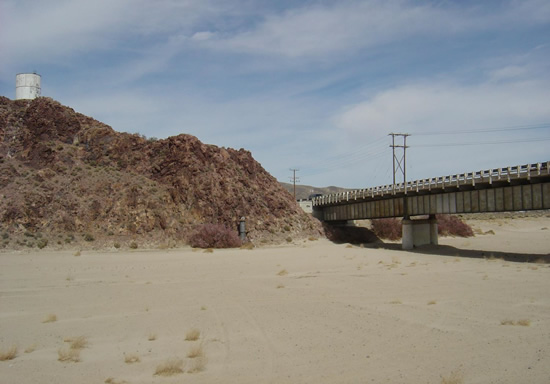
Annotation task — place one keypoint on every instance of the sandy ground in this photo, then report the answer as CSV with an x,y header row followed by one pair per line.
x,y
311,312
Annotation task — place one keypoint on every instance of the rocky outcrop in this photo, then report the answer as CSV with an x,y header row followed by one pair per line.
x,y
66,174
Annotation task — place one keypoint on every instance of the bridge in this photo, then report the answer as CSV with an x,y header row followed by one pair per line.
x,y
516,188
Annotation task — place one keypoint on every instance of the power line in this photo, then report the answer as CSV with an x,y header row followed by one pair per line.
x,y
362,157
344,157
503,129
533,140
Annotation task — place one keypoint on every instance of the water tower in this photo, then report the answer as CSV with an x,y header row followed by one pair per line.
x,y
27,86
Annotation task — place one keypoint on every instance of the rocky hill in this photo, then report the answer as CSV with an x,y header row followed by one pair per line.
x,y
66,178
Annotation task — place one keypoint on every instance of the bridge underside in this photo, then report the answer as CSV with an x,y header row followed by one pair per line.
x,y
524,197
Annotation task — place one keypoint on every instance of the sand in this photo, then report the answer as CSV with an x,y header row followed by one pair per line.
x,y
308,312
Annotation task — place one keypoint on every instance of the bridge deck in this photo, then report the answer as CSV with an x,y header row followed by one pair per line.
x,y
518,188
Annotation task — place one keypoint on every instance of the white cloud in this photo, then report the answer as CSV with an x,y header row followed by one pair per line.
x,y
52,31
203,35
444,106
346,26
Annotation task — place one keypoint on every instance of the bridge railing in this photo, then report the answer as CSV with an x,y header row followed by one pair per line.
x,y
469,178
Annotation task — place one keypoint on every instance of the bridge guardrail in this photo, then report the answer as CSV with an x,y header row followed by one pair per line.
x,y
469,178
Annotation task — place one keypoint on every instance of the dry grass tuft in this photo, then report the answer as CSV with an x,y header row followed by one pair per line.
x,y
312,238
78,342
198,364
131,358
68,354
77,253
192,334
248,246
50,318
170,367
280,286
73,352
282,272
152,337
522,322
30,348
8,354
111,380
195,351
456,377
208,250
432,302
396,302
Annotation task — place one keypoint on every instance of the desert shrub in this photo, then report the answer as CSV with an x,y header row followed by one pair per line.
x,y
351,235
214,236
42,243
88,237
133,245
387,228
448,225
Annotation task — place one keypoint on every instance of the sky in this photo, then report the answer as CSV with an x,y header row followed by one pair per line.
x,y
313,85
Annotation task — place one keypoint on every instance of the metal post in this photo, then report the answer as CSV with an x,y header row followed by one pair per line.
x,y
242,229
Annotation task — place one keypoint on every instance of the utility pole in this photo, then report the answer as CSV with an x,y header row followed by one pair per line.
x,y
400,164
294,179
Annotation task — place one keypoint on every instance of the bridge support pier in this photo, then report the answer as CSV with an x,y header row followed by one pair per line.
x,y
419,232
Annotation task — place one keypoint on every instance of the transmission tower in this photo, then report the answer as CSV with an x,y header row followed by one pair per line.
x,y
399,164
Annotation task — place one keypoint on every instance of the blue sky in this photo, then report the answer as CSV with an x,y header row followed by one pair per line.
x,y
313,85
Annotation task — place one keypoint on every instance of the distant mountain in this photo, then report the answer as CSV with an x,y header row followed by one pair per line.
x,y
305,191
66,176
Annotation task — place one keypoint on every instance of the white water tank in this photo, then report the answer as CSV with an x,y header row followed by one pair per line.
x,y
27,86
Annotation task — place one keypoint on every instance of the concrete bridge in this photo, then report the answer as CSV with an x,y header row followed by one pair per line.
x,y
517,188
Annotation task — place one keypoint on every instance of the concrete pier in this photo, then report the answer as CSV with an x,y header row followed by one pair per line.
x,y
419,232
